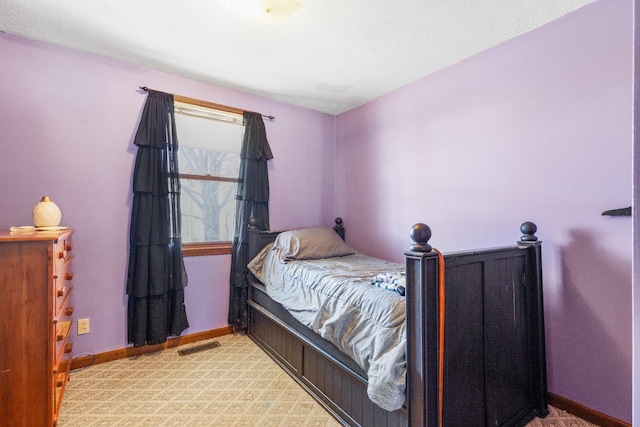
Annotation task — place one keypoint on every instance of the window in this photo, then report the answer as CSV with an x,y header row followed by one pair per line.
x,y
209,161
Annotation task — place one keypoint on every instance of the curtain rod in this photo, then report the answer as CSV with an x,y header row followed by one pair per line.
x,y
208,104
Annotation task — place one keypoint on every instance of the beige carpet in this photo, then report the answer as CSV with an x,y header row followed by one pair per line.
x,y
235,384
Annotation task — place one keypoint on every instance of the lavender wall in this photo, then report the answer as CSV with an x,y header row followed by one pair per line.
x,y
538,128
68,120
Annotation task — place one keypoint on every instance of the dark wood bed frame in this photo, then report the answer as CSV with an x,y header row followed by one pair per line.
x,y
494,358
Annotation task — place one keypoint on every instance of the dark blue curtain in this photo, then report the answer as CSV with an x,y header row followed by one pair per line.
x,y
156,274
252,200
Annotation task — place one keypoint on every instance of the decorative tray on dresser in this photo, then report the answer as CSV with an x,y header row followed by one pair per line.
x,y
35,325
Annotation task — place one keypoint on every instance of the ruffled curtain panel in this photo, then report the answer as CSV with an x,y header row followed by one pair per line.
x,y
156,274
252,200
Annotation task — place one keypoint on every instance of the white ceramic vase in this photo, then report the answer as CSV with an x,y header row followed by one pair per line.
x,y
46,213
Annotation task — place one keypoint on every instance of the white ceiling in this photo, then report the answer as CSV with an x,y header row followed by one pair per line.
x,y
330,55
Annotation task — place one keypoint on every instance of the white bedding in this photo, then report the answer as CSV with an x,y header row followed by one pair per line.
x,y
335,298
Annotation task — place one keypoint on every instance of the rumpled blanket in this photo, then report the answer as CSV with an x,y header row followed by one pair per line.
x,y
334,297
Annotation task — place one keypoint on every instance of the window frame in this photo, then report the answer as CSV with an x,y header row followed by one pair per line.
x,y
207,248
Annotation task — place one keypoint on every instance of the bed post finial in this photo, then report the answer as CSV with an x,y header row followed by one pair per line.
x,y
252,223
421,233
339,228
528,230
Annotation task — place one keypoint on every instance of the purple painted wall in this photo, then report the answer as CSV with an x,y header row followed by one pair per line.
x,y
68,120
538,128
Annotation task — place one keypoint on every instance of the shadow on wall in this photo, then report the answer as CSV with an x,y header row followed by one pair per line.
x,y
589,342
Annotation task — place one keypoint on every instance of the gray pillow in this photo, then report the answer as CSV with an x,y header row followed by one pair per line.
x,y
311,243
256,264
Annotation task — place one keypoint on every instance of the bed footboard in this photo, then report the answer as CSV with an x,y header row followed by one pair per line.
x,y
494,359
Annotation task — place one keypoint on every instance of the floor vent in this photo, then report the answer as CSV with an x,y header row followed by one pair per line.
x,y
197,348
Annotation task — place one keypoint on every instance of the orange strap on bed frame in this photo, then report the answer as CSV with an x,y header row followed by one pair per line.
x,y
440,334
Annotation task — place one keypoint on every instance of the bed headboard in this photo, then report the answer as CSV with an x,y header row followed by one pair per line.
x,y
258,239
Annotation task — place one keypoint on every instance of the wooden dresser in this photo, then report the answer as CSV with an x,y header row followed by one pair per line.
x,y
35,326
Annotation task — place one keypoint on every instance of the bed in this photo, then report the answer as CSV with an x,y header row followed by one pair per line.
x,y
485,368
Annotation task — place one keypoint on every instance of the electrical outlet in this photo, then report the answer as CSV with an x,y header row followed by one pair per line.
x,y
83,326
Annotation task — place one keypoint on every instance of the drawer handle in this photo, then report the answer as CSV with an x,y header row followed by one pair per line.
x,y
68,348
68,311
68,276
61,254
60,337
61,291
68,247
59,383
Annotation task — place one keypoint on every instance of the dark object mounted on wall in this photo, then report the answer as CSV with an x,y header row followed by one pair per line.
x,y
618,212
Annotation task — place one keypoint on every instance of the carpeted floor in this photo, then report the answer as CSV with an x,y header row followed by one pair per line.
x,y
235,384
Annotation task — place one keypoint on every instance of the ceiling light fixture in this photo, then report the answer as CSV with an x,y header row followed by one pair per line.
x,y
269,12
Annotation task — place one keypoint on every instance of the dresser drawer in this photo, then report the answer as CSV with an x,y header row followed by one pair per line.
x,y
63,250
63,345
61,306
62,256
60,380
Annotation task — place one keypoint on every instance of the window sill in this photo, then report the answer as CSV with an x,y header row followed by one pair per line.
x,y
202,249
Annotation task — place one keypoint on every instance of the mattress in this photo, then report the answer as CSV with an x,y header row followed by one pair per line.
x,y
336,299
